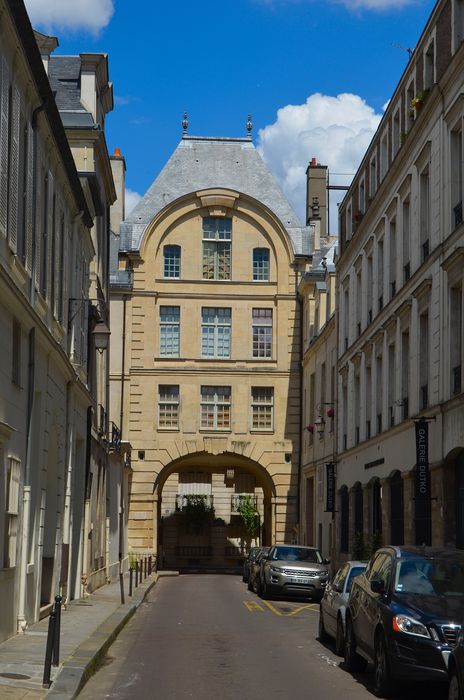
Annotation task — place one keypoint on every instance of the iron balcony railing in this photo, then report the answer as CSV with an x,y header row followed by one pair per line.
x,y
193,551
237,499
115,438
183,498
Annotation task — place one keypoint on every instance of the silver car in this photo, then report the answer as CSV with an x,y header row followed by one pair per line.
x,y
333,604
294,570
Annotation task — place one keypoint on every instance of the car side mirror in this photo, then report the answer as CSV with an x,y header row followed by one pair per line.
x,y
326,561
377,586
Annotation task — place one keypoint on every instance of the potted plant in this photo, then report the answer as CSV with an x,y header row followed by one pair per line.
x,y
418,100
249,514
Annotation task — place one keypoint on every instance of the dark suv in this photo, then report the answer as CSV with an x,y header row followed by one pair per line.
x,y
404,614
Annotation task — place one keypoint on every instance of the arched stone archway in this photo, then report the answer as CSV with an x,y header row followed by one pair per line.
x,y
219,482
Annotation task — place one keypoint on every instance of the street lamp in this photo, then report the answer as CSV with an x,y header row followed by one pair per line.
x,y
101,334
319,424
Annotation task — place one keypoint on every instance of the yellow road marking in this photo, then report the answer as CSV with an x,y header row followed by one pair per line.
x,y
302,607
253,606
276,611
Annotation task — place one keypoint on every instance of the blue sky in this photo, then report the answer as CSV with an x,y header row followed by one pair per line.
x,y
221,60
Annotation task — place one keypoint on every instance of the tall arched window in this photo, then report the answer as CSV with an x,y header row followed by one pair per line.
x,y
396,509
260,265
172,261
344,519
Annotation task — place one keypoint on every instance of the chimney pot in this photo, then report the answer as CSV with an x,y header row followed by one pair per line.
x,y
117,152
313,161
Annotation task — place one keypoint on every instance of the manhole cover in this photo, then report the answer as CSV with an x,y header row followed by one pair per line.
x,y
15,676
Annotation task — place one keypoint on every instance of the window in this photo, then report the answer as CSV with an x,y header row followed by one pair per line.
x,y
262,408
429,66
457,23
261,265
455,332
16,353
344,519
456,153
383,156
168,406
396,133
362,197
215,407
393,258
12,511
44,234
423,360
172,261
372,177
169,330
406,240
424,184
405,374
217,235
262,332
215,332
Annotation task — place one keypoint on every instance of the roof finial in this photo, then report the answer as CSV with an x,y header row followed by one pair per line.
x,y
185,123
249,126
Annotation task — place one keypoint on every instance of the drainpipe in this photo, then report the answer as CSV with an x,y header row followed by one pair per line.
x,y
22,593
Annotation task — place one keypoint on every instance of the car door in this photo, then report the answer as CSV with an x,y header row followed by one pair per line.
x,y
364,608
376,600
333,599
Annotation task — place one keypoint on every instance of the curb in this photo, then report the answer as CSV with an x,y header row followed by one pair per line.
x,y
82,663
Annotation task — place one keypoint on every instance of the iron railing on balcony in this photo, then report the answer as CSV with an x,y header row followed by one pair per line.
x,y
115,443
237,499
182,500
122,278
457,211
456,380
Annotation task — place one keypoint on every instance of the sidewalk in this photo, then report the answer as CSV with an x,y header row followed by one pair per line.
x,y
88,627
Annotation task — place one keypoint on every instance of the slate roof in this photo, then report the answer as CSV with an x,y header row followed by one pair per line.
x,y
64,74
200,163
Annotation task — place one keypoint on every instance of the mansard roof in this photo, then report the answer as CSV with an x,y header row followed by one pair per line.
x,y
64,73
201,163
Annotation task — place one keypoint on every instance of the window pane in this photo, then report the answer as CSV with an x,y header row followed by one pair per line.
x,y
168,406
209,255
261,264
262,402
215,407
217,228
215,332
169,330
172,261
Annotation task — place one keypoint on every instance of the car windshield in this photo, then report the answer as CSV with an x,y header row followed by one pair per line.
x,y
424,576
297,554
355,571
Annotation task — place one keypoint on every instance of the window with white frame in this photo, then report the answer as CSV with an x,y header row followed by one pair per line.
x,y
169,331
262,408
261,265
13,477
168,406
457,19
215,407
217,248
262,332
171,255
215,332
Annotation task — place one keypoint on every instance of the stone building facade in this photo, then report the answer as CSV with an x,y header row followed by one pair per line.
x,y
206,369
400,332
45,254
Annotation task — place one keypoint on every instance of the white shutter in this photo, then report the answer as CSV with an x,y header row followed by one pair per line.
x,y
4,108
14,475
29,195
38,218
49,234
14,171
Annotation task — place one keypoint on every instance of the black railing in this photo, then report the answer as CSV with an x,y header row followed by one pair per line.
x,y
456,380
115,438
237,499
191,551
182,500
457,211
236,551
407,271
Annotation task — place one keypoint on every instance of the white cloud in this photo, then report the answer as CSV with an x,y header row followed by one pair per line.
x,y
374,4
70,15
334,130
131,200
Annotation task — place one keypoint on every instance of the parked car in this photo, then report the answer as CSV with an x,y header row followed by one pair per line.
x,y
294,570
404,614
254,580
252,554
456,670
333,604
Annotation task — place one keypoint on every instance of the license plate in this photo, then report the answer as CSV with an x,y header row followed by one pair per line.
x,y
303,580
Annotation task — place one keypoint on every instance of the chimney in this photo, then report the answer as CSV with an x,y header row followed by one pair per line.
x,y
118,168
316,195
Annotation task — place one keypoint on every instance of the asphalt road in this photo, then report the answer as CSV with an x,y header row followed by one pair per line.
x,y
206,636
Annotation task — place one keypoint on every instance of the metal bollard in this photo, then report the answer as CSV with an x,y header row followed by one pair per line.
x,y
136,574
131,572
56,639
149,565
49,649
141,570
145,568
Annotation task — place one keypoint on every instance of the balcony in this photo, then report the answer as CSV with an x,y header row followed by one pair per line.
x,y
183,498
457,212
115,443
122,278
237,499
456,381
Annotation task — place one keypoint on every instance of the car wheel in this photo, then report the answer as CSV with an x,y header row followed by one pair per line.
x,y
340,638
263,592
322,634
383,686
256,586
250,584
454,692
353,662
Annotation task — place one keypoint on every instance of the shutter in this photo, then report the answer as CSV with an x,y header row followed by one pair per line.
x,y
49,280
38,218
66,262
29,196
14,476
4,95
58,243
14,171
